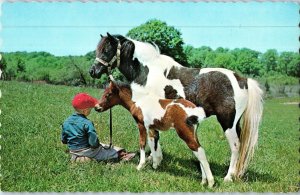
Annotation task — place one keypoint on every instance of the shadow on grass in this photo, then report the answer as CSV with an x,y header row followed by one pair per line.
x,y
191,168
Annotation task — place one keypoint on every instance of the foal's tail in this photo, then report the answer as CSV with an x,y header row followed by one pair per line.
x,y
251,120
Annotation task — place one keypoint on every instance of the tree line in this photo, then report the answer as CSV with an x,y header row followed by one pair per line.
x,y
73,70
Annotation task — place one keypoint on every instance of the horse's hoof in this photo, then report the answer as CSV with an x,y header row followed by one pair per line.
x,y
204,181
228,179
154,166
211,183
159,159
150,158
140,167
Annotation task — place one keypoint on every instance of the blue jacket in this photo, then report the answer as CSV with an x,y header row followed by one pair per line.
x,y
79,132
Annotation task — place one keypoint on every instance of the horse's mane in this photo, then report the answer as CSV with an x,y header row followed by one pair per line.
x,y
122,85
144,50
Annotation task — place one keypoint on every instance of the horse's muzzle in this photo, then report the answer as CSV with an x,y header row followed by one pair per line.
x,y
96,71
99,109
93,72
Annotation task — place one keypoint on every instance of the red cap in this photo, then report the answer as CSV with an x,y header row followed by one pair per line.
x,y
83,101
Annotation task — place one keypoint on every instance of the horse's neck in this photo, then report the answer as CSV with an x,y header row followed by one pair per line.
x,y
126,98
132,68
140,58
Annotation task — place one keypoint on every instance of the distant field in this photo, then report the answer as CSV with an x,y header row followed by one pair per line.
x,y
34,160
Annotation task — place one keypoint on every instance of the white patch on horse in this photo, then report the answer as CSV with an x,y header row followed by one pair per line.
x,y
147,97
148,103
157,63
144,52
142,159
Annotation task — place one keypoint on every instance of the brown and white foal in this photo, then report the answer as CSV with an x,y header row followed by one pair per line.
x,y
181,114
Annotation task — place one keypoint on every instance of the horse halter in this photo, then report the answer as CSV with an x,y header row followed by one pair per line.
x,y
110,63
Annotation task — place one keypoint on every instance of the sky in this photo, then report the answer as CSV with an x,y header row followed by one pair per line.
x,y
64,28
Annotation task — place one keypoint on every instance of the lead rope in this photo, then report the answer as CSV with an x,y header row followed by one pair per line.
x,y
110,122
111,78
110,128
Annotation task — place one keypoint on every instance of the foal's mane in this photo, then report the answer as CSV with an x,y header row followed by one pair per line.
x,y
122,85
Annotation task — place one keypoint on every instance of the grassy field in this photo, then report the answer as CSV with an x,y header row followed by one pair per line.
x,y
34,160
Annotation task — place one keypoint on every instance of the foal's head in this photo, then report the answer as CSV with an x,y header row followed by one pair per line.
x,y
116,93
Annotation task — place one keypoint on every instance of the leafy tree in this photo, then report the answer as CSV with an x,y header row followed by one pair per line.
x,y
246,61
166,37
3,66
270,60
20,65
224,60
293,68
196,56
90,55
289,64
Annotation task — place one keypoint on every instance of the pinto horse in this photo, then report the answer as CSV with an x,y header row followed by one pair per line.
x,y
219,91
181,114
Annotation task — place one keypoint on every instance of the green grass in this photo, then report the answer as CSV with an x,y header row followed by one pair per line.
x,y
33,158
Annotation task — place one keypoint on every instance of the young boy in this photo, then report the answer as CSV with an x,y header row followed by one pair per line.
x,y
79,134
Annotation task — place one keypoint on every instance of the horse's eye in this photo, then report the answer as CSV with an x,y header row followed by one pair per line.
x,y
108,96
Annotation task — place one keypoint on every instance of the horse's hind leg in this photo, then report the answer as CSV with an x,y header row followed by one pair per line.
x,y
156,153
234,144
204,178
232,135
188,135
200,154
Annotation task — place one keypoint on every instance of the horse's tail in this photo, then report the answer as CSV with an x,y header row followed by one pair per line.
x,y
251,121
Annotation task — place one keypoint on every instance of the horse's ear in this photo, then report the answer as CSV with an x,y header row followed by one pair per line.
x,y
101,35
114,86
111,38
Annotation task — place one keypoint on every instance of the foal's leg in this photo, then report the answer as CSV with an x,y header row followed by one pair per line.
x,y
204,178
187,133
200,154
153,141
143,135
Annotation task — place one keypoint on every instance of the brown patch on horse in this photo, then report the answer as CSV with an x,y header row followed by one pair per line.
x,y
176,117
186,76
186,103
217,97
171,93
241,81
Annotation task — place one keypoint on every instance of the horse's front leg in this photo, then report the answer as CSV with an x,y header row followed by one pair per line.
x,y
143,135
156,153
